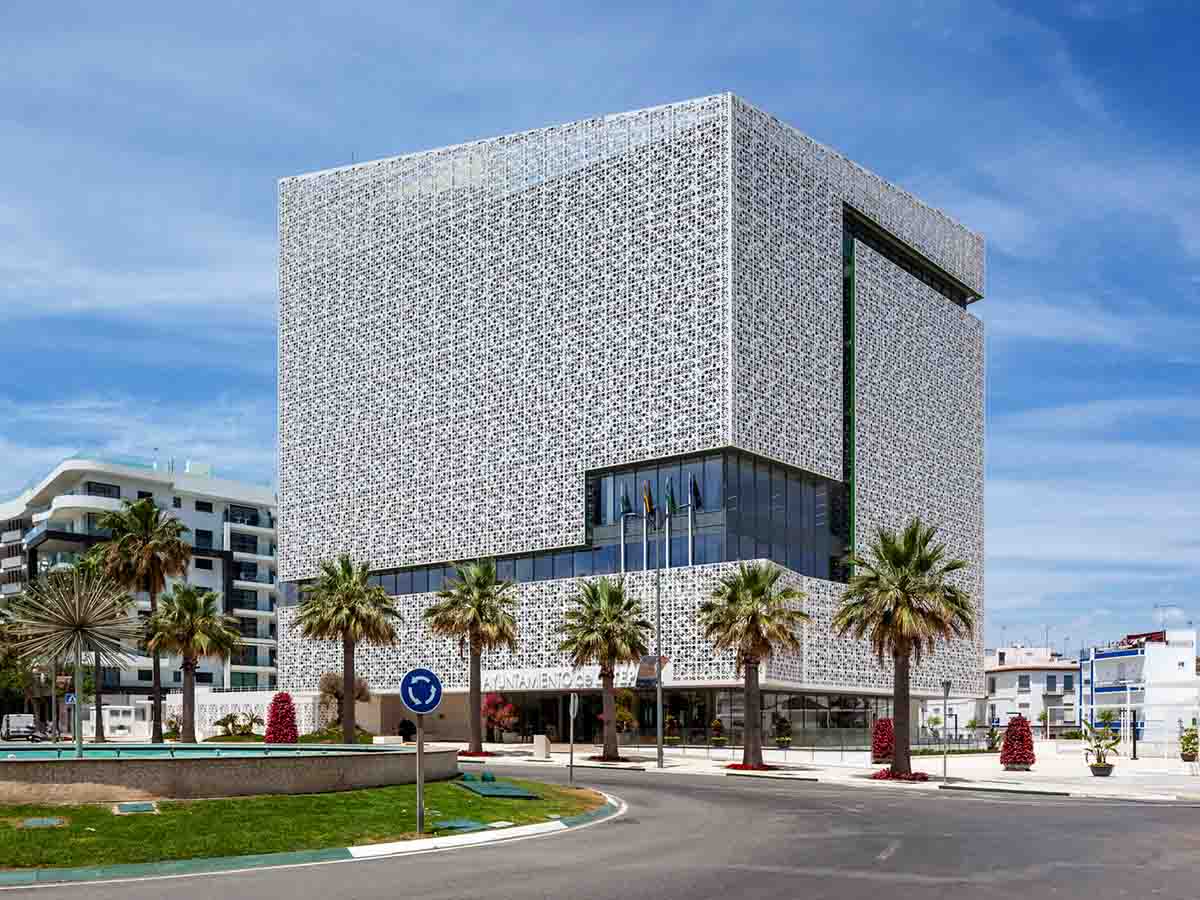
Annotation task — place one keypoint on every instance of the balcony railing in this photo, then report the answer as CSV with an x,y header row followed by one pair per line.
x,y
256,577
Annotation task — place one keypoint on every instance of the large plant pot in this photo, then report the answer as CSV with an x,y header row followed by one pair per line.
x,y
718,741
1016,767
1101,771
1188,757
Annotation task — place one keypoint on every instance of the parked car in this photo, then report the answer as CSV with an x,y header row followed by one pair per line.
x,y
19,727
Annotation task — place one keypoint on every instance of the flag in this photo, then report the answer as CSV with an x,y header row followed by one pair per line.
x,y
672,506
647,500
626,505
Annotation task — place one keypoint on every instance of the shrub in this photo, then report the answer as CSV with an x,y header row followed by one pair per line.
x,y
281,720
782,728
1189,742
498,713
1018,743
1072,735
993,738
883,740
891,775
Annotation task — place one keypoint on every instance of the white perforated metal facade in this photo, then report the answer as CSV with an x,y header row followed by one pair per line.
x,y
465,332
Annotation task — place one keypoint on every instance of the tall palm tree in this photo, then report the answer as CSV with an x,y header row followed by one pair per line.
x,y
146,548
343,605
751,614
605,626
65,613
476,608
901,598
189,623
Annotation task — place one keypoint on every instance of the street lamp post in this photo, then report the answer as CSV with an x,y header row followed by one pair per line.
x,y
945,720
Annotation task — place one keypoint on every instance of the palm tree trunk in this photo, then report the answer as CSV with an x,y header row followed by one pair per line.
x,y
98,737
188,729
901,712
156,730
475,703
752,752
610,717
348,735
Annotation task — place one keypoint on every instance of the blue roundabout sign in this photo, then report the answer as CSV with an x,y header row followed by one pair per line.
x,y
421,691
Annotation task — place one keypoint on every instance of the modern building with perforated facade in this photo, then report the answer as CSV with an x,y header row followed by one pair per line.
x,y
487,349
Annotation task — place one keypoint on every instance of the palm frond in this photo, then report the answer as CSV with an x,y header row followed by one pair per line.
x,y
750,614
477,608
342,603
604,626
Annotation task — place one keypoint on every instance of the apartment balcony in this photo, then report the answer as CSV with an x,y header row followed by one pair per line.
x,y
252,612
238,667
10,537
11,562
258,559
8,589
83,502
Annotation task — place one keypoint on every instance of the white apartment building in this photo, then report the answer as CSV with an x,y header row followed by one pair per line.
x,y
1031,681
231,529
1149,679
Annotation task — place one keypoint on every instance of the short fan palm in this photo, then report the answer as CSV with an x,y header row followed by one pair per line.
x,y
189,623
68,613
902,599
146,548
343,605
476,608
753,615
604,626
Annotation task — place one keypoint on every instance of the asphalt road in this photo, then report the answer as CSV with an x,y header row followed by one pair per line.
x,y
698,837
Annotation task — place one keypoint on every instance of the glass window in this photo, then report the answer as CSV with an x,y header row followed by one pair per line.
x,y
1051,683
420,579
712,489
732,483
762,491
375,580
606,500
779,553
778,497
633,556
747,499
564,564
746,546
145,495
795,505
672,475
583,563
506,569
991,685
1023,683
762,550
693,481
679,551
543,567
437,578
203,506
204,539
1068,682
204,563
606,562
404,582
625,495
644,477
204,678
145,674
389,584
710,548
524,568
176,503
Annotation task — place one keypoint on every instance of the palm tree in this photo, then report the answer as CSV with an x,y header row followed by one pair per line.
x,y
343,604
751,614
901,598
476,608
146,548
65,613
605,627
190,624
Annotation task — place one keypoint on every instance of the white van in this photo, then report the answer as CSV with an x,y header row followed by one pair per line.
x,y
17,727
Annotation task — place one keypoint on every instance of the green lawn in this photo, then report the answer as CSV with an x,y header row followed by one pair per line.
x,y
94,836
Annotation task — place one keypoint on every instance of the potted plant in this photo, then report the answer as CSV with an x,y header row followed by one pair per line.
x,y
883,741
782,728
1100,743
717,733
1016,755
1189,744
993,739
671,730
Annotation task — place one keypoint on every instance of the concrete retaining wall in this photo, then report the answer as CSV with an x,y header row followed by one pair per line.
x,y
102,780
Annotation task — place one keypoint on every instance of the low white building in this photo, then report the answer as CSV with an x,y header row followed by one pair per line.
x,y
1034,682
55,519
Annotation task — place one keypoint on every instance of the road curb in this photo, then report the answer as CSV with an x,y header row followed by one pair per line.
x,y
26,878
1002,790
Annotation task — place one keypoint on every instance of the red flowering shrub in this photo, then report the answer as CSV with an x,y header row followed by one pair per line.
x,y
742,767
281,720
890,775
883,741
1018,743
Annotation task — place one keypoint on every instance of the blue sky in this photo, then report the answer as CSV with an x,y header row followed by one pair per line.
x,y
141,147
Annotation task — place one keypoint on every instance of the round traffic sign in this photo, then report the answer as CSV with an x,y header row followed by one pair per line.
x,y
421,691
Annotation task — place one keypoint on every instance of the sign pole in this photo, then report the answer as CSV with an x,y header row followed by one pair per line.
x,y
571,763
420,773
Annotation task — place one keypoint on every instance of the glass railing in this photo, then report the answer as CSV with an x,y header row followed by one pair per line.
x,y
258,578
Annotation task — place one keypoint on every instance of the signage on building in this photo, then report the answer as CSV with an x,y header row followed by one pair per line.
x,y
554,679
647,676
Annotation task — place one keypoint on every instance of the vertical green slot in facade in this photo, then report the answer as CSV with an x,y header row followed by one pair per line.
x,y
848,385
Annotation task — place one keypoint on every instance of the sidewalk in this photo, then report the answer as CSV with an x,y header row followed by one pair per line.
x,y
1053,774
